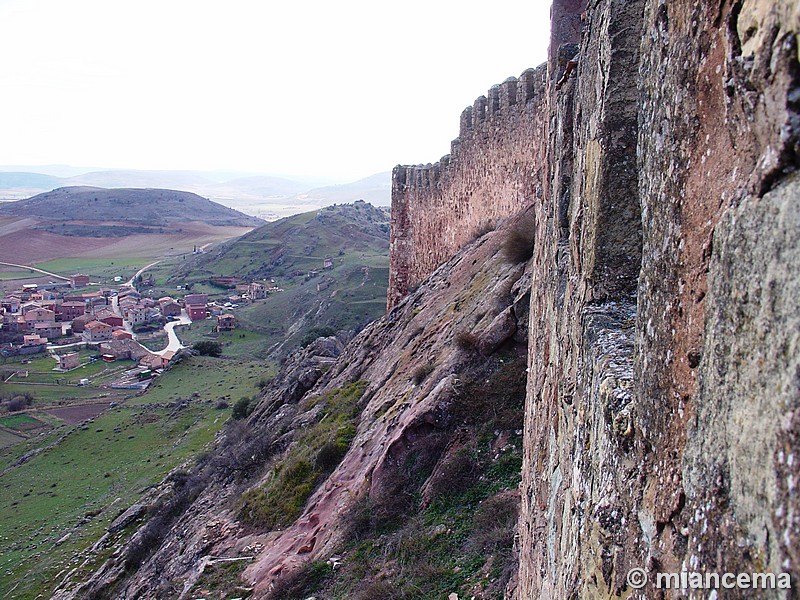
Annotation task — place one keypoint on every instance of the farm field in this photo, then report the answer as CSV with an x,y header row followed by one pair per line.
x,y
45,394
12,273
7,438
78,413
92,465
102,270
46,387
40,369
160,273
66,254
20,421
239,343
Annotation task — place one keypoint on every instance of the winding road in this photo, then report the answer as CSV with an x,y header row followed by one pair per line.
x,y
129,283
174,343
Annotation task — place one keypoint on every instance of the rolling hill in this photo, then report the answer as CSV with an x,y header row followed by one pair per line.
x,y
267,196
146,207
93,223
292,252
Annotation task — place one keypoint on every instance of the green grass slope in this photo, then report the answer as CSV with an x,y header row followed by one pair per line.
x,y
79,478
346,297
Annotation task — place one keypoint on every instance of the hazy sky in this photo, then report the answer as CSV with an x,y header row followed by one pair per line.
x,y
343,89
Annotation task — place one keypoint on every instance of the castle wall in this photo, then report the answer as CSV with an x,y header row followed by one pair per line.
x,y
662,424
577,454
492,172
662,394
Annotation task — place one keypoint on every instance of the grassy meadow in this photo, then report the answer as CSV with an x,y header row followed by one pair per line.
x,y
99,269
62,500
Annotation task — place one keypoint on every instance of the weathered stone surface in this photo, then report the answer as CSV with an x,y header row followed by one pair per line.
x,y
661,414
126,518
492,173
499,330
741,458
581,453
402,418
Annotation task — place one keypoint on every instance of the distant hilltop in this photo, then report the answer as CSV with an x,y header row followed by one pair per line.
x,y
266,196
151,207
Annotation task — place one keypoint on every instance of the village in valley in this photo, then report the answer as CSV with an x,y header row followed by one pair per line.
x,y
69,317
117,370
81,336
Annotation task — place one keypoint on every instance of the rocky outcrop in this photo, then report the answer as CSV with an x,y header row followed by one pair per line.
x,y
420,384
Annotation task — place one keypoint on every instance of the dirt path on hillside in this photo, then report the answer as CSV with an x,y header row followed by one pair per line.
x,y
48,273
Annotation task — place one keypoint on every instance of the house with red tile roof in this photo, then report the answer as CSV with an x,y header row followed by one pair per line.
x,y
196,306
97,331
72,310
78,280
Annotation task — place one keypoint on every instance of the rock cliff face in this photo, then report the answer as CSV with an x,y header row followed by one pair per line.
x,y
406,441
663,396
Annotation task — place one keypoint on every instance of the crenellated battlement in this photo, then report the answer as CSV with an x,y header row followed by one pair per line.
x,y
490,173
494,169
502,101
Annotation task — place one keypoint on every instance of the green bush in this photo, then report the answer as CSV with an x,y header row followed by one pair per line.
x,y
242,408
207,348
317,332
333,451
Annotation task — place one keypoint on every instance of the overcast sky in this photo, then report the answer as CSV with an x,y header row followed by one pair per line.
x,y
341,89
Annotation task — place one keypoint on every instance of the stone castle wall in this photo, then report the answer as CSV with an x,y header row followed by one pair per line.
x,y
663,398
491,173
663,414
